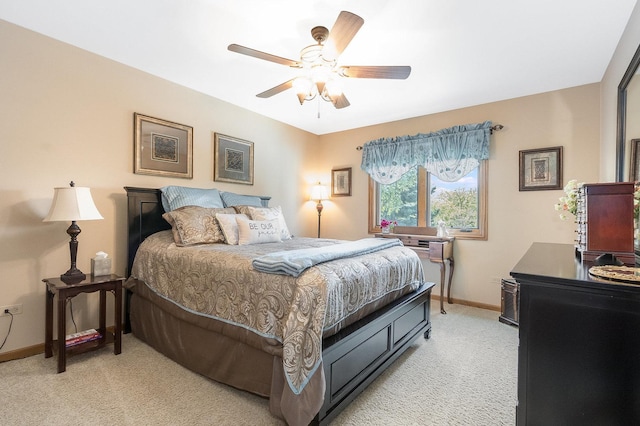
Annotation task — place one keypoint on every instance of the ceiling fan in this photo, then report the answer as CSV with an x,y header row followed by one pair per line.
x,y
320,74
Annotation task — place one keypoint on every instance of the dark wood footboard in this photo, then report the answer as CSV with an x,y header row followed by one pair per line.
x,y
358,354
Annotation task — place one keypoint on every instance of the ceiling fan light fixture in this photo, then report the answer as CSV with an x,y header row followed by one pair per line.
x,y
321,73
311,54
301,97
332,90
320,85
305,89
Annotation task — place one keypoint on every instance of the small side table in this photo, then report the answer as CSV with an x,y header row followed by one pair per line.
x,y
104,283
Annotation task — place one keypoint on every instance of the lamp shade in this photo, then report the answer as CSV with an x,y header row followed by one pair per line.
x,y
319,192
72,203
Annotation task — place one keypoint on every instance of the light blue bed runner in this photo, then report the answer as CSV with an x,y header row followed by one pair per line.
x,y
295,262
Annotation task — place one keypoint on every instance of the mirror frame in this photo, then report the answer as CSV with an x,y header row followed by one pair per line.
x,y
622,115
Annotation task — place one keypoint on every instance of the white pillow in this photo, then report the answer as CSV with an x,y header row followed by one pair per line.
x,y
270,213
257,231
229,226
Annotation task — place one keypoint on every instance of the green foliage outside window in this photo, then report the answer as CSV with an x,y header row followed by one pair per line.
x,y
458,208
456,205
399,200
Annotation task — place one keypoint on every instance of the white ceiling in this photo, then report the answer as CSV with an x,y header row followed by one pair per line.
x,y
462,52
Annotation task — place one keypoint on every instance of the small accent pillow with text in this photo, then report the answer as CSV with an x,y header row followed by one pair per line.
x,y
229,226
257,231
270,213
195,225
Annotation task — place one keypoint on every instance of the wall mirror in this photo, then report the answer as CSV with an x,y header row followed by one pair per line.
x,y
628,122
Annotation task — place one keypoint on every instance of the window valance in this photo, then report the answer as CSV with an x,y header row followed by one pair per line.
x,y
449,154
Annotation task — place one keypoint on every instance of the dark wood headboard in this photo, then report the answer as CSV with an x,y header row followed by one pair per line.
x,y
144,217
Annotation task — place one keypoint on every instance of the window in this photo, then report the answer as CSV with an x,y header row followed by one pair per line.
x,y
419,200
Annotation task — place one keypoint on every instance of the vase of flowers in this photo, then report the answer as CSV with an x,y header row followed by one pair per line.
x,y
569,202
387,226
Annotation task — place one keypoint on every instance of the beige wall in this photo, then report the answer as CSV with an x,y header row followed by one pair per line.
x,y
68,115
568,118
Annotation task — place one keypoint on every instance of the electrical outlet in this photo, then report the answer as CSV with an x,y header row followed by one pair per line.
x,y
14,309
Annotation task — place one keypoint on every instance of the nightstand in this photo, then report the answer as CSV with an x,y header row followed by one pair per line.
x,y
104,283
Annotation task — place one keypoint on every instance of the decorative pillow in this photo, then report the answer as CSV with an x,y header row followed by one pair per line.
x,y
174,197
257,231
242,209
231,199
229,227
270,213
195,225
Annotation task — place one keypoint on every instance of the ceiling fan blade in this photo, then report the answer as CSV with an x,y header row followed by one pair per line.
x,y
262,55
275,90
343,31
341,102
393,72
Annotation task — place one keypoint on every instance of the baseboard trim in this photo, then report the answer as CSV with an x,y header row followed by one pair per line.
x,y
29,351
22,353
469,303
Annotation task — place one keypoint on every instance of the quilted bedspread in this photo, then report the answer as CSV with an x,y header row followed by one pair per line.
x,y
218,280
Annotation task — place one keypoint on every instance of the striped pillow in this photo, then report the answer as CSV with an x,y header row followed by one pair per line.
x,y
174,197
231,199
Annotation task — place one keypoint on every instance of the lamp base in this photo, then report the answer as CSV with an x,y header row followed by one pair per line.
x,y
73,276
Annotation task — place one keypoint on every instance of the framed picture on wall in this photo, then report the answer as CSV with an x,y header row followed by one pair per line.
x,y
541,169
634,170
341,182
232,160
162,148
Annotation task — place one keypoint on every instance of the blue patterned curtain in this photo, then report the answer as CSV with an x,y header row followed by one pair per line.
x,y
449,153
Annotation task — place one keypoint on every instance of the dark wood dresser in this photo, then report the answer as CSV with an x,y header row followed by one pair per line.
x,y
605,221
579,354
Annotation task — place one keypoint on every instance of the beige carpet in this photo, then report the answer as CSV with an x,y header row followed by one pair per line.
x,y
464,375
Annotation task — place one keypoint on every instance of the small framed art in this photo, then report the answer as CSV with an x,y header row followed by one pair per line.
x,y
232,160
341,182
541,169
162,147
634,170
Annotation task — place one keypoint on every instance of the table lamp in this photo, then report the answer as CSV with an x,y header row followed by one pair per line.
x,y
72,203
319,192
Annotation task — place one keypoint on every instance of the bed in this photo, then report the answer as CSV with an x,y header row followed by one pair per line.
x,y
351,352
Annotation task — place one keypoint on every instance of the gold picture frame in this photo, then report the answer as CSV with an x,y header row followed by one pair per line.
x,y
341,182
162,148
541,169
232,159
